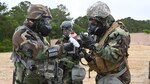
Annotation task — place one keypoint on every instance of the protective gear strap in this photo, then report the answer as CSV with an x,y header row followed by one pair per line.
x,y
110,78
119,73
101,43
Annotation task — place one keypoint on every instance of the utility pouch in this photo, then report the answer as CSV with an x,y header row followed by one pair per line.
x,y
112,78
78,73
109,80
52,52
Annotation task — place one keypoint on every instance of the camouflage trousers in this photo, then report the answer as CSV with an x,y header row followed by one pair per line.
x,y
111,79
28,77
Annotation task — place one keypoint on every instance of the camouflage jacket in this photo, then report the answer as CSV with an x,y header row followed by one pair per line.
x,y
111,54
27,43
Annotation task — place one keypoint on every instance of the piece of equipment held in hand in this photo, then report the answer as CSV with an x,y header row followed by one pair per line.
x,y
78,73
66,47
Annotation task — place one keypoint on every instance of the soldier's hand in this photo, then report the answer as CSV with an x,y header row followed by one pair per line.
x,y
82,52
85,55
57,50
87,41
68,46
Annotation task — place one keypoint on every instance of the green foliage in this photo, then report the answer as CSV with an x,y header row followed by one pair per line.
x,y
11,19
78,29
6,45
19,12
59,15
7,23
82,22
7,27
146,31
136,25
3,8
56,31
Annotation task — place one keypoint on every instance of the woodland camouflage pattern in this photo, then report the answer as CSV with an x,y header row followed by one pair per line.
x,y
111,57
69,60
29,45
30,50
98,9
36,10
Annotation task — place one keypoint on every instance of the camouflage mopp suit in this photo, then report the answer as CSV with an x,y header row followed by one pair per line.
x,y
108,42
31,50
70,59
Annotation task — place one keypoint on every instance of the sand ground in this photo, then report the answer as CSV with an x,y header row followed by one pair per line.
x,y
139,57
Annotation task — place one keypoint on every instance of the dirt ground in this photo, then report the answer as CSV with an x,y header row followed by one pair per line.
x,y
139,58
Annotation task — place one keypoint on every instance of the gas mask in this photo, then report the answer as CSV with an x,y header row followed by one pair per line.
x,y
42,26
96,28
66,32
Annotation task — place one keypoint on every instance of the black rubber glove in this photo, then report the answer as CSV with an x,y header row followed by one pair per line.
x,y
92,47
87,41
87,57
68,46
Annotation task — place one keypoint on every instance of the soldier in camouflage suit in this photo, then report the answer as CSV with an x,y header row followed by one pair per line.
x,y
108,42
30,46
70,58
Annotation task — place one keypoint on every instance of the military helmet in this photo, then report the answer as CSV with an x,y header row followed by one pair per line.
x,y
37,10
66,25
98,9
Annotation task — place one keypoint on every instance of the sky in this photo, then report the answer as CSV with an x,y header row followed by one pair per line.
x,y
136,9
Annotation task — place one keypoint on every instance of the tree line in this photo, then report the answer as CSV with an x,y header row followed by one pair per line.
x,y
11,19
